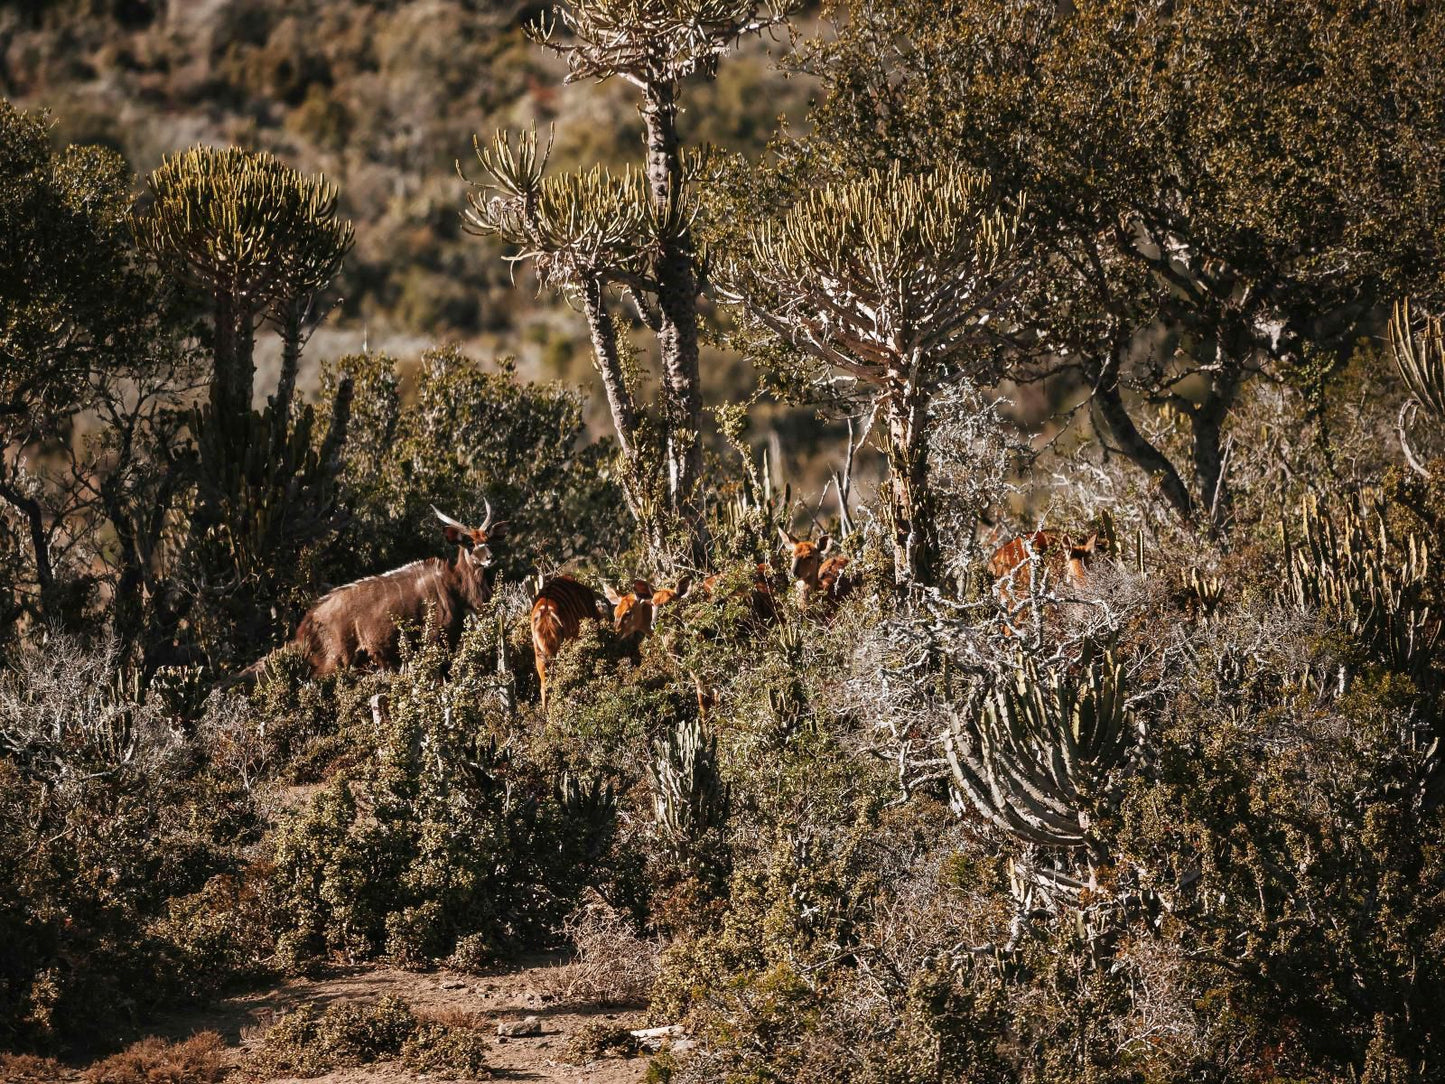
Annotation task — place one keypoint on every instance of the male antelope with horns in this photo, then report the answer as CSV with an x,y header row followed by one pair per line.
x,y
360,624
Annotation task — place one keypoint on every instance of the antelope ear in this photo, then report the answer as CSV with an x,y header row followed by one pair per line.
x,y
788,541
683,586
455,535
612,596
642,589
498,530
1092,543
825,543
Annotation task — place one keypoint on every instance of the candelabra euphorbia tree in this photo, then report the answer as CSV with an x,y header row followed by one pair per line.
x,y
260,239
593,232
897,281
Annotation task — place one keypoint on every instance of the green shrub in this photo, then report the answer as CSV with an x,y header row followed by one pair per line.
x,y
311,1040
456,432
597,1040
447,1049
121,854
450,835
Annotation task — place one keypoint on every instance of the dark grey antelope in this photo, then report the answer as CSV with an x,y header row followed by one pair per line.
x,y
360,624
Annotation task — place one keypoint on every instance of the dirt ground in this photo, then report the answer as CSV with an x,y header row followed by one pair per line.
x,y
243,1019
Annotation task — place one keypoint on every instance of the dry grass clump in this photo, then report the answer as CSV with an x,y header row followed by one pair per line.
x,y
614,964
197,1060
29,1069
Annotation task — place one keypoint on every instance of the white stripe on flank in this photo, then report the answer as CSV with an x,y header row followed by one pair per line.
x,y
382,575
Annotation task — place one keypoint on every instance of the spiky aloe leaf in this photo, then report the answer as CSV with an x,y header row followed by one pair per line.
x,y
689,797
1420,357
1343,561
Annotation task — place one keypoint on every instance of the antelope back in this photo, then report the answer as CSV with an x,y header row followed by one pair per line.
x,y
1012,564
558,612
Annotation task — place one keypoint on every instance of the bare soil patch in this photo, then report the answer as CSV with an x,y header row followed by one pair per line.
x,y
242,1020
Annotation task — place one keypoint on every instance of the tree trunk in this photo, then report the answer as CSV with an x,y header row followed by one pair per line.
x,y
235,367
223,355
1133,444
30,508
290,328
1207,423
677,300
609,366
231,382
608,360
910,500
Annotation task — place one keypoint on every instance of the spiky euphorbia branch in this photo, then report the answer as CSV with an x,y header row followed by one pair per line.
x,y
647,42
583,231
895,280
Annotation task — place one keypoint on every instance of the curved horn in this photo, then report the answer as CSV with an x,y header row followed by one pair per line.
x,y
448,519
487,523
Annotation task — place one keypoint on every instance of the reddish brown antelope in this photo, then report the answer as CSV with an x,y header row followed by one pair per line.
x,y
557,615
633,613
1012,564
360,624
818,576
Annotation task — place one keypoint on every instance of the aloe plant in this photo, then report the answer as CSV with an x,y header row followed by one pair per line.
x,y
1420,359
690,800
1037,751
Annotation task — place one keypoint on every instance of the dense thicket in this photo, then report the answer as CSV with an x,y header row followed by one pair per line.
x,y
1164,801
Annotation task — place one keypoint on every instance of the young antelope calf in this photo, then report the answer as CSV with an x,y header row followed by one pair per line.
x,y
817,577
633,613
1012,564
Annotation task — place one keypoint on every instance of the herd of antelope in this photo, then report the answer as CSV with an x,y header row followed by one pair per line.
x,y
359,624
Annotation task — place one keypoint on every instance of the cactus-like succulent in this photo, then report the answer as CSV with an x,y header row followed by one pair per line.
x,y
1420,359
690,800
244,223
1343,561
1036,753
898,280
585,801
1205,591
257,237
574,225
